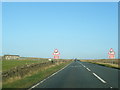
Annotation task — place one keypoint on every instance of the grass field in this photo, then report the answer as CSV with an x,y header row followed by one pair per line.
x,y
29,81
115,63
9,64
31,77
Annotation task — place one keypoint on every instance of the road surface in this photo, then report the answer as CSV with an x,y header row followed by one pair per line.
x,y
81,75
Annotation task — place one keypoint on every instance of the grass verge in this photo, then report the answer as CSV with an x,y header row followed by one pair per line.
x,y
29,81
105,64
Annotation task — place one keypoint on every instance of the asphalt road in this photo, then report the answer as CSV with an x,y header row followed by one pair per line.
x,y
81,75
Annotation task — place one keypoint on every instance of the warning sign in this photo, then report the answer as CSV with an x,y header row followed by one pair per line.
x,y
56,54
111,54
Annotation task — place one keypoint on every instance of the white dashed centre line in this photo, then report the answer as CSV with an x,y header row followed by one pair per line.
x,y
99,78
103,81
88,69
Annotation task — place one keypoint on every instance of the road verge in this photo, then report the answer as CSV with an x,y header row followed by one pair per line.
x,y
103,63
36,77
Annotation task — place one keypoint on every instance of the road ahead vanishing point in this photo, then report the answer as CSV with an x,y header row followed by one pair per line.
x,y
81,75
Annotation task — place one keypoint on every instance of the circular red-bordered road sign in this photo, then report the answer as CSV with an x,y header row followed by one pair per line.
x,y
111,54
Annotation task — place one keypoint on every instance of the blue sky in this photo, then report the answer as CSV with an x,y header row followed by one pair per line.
x,y
78,30
60,0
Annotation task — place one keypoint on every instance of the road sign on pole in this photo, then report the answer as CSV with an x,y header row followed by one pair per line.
x,y
56,54
111,54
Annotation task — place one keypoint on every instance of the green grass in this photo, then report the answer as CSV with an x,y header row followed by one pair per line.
x,y
29,81
9,64
0,65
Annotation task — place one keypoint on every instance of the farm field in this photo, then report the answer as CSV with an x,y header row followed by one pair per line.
x,y
33,75
9,64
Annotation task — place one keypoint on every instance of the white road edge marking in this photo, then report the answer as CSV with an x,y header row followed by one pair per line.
x,y
88,69
47,77
99,78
